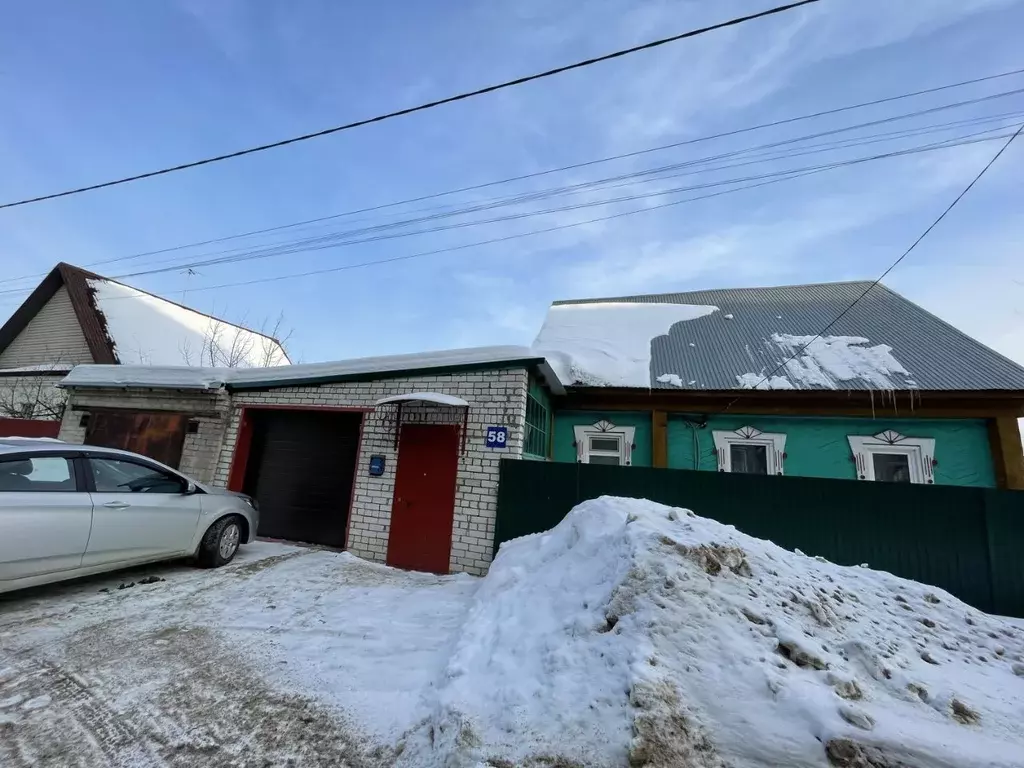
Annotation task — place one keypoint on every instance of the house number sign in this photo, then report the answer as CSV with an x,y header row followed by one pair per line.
x,y
497,437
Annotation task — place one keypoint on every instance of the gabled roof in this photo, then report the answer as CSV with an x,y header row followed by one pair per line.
x,y
123,324
733,338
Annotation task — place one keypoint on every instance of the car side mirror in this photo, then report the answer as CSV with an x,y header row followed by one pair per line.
x,y
190,488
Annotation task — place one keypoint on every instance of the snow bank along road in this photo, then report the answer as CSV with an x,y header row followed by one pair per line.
x,y
631,634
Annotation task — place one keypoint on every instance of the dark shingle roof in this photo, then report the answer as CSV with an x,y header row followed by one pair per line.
x,y
712,351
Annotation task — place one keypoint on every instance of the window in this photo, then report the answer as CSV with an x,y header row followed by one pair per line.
x,y
537,421
749,451
38,473
604,443
890,457
116,476
749,459
891,467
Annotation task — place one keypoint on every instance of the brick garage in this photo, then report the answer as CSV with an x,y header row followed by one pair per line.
x,y
494,381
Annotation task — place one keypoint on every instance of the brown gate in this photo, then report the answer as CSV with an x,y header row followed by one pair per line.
x,y
160,436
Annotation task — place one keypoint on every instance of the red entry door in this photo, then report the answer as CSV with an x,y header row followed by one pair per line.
x,y
423,510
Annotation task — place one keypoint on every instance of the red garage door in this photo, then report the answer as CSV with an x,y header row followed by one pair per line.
x,y
424,505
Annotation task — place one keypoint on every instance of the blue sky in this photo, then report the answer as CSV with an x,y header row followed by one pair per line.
x,y
92,91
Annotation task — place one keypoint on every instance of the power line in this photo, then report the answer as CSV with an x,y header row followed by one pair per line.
x,y
760,154
652,175
888,269
777,178
419,108
321,243
575,166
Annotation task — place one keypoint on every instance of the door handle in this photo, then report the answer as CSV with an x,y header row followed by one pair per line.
x,y
116,504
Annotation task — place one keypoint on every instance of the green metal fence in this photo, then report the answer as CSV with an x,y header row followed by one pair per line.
x,y
968,541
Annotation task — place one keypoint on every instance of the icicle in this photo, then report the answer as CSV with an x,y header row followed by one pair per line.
x,y
871,394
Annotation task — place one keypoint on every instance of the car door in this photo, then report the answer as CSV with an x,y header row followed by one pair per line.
x,y
140,511
44,517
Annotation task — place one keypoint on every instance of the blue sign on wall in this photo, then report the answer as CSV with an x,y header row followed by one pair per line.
x,y
376,466
497,437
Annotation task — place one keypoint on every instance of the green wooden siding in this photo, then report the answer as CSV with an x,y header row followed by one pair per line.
x,y
817,447
564,449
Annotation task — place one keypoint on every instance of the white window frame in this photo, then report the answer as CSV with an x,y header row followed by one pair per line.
x,y
919,450
774,442
604,430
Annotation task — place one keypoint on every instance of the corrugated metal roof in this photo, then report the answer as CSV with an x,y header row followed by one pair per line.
x,y
711,352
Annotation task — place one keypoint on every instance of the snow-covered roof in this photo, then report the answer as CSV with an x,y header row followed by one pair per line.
x,y
439,398
121,324
883,342
158,376
183,377
608,344
150,330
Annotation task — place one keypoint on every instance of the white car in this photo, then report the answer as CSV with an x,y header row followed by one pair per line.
x,y
73,510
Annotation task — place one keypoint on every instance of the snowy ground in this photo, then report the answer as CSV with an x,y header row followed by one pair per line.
x,y
631,634
286,656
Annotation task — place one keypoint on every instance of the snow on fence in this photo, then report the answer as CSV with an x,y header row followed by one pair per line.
x,y
967,541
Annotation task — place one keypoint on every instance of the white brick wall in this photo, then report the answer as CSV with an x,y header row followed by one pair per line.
x,y
201,450
497,398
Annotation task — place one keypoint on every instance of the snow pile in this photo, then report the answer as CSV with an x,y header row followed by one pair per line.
x,y
149,330
608,344
671,378
825,361
634,633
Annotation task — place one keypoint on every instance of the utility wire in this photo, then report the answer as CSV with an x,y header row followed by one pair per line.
x,y
888,269
330,242
645,176
574,166
420,108
783,176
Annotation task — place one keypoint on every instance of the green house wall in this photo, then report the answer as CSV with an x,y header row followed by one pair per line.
x,y
565,450
817,447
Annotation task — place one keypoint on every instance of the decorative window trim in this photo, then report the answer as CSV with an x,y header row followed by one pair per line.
x,y
604,429
919,450
774,442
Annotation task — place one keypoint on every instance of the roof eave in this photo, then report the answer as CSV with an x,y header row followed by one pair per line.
x,y
399,373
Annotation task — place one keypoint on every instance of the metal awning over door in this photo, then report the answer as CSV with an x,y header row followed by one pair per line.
x,y
440,408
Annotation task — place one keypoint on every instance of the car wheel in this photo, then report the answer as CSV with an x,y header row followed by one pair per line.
x,y
220,543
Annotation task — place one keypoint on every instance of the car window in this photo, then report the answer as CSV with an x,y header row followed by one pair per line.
x,y
117,476
37,473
